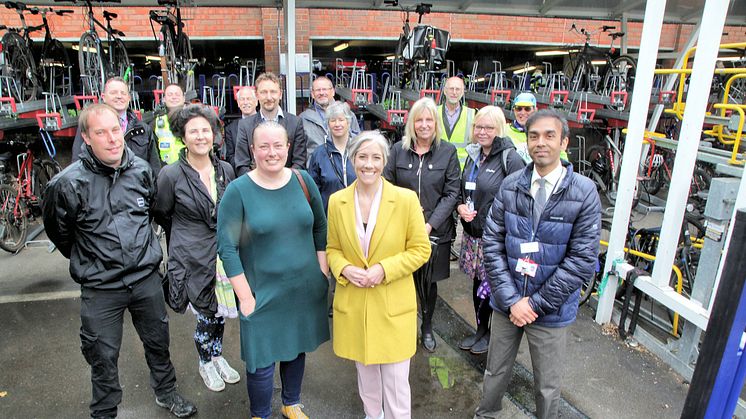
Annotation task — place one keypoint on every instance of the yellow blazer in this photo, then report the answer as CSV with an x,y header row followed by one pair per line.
x,y
377,325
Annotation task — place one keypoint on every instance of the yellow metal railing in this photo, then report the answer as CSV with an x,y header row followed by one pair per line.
x,y
679,281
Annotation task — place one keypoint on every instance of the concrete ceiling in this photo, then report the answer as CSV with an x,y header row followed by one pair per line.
x,y
680,11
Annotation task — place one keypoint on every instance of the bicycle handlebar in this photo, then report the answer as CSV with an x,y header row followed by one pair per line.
x,y
168,3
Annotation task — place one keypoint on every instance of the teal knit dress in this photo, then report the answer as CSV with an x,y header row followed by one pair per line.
x,y
272,236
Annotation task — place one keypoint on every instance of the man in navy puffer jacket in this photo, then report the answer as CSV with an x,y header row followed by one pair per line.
x,y
540,241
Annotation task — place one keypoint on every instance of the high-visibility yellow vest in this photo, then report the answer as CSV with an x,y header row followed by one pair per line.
x,y
520,143
169,145
461,134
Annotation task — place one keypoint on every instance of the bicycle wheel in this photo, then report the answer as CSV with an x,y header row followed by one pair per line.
x,y
184,56
579,72
44,171
170,51
20,67
90,61
13,220
120,62
624,68
56,62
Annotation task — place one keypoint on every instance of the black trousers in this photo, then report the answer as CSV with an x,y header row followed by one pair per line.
x,y
101,316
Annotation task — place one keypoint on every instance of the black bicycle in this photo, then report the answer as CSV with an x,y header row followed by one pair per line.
x,y
615,74
419,52
97,61
20,65
173,42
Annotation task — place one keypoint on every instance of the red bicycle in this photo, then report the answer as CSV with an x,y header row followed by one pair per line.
x,y
21,194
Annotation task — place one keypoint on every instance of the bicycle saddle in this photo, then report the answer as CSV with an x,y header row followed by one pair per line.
x,y
109,15
616,35
167,2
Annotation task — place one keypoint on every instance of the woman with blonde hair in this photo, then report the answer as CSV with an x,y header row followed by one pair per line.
x,y
430,167
491,158
376,240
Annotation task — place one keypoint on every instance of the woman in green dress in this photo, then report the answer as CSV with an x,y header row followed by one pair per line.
x,y
272,240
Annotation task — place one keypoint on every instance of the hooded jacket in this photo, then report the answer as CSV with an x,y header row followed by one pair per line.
x,y
568,236
99,218
328,171
488,176
188,214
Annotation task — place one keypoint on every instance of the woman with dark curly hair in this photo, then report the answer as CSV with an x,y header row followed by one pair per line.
x,y
189,191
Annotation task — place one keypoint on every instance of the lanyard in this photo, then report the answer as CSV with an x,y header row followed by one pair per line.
x,y
342,177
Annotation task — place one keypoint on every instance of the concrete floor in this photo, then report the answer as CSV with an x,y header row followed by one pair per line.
x,y
43,374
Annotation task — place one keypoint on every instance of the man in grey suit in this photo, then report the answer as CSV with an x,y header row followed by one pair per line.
x,y
269,93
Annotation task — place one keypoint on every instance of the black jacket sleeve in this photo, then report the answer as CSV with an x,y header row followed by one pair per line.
x,y
298,137
163,208
242,156
60,208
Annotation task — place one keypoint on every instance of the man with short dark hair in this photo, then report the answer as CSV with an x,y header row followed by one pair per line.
x,y
97,213
269,93
540,241
137,134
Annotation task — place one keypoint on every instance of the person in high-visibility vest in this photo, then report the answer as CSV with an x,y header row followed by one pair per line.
x,y
455,118
524,106
169,145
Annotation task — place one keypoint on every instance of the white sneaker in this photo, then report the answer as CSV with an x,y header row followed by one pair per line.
x,y
211,377
228,374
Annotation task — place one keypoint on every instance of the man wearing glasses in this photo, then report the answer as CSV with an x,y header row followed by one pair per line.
x,y
455,118
524,106
322,92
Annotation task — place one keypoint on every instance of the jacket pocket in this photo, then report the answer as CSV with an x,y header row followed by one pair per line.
x,y
400,300
341,298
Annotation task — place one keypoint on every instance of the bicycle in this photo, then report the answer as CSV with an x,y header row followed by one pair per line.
x,y
21,195
20,64
96,62
617,74
174,43
420,52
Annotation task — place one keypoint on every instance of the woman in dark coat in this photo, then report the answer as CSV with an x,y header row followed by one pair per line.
x,y
189,192
490,160
430,167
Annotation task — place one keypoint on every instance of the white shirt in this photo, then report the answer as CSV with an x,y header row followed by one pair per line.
x,y
277,116
552,179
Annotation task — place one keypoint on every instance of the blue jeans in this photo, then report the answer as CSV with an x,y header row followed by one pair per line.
x,y
260,383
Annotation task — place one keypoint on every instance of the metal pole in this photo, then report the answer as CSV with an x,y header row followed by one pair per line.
x,y
713,18
651,32
289,9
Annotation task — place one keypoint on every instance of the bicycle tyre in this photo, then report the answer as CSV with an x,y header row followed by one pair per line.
x,y
89,59
13,228
55,55
44,171
170,51
627,68
20,66
578,72
120,62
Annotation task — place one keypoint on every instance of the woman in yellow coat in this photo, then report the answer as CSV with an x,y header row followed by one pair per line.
x,y
376,239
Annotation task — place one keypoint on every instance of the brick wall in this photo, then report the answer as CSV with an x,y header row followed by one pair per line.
x,y
216,22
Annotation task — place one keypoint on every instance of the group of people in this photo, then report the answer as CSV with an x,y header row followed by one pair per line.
x,y
366,215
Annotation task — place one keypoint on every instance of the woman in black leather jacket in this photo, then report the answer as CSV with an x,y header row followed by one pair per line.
x,y
430,167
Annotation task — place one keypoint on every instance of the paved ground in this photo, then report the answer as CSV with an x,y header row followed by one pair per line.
x,y
43,374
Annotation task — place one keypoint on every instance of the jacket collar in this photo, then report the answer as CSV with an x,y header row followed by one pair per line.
x,y
97,166
524,181
388,204
498,145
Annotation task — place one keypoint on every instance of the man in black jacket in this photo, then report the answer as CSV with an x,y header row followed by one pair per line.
x,y
247,102
137,135
269,93
97,213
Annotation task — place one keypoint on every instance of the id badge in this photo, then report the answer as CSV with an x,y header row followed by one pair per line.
x,y
529,247
526,266
470,186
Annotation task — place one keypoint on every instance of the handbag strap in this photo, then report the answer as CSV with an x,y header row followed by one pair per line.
x,y
302,184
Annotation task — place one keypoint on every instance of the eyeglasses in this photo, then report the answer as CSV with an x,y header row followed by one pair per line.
x,y
323,89
523,108
487,128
